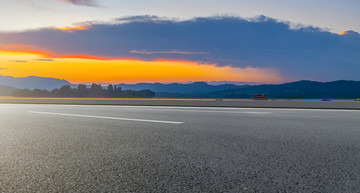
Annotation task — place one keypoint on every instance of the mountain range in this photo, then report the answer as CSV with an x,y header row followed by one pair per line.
x,y
196,87
305,89
6,90
32,82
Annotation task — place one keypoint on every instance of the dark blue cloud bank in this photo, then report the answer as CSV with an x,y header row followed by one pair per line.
x,y
297,53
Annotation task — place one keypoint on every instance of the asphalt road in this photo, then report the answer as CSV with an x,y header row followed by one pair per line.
x,y
67,148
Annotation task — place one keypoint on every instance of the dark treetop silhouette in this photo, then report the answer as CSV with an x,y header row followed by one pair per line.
x,y
95,91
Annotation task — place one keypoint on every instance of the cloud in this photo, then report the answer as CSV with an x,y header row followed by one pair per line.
x,y
90,3
142,18
301,52
16,47
166,52
20,61
44,60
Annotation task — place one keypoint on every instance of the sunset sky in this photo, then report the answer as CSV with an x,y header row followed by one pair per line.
x,y
120,41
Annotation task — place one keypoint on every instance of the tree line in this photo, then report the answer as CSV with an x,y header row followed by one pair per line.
x,y
82,91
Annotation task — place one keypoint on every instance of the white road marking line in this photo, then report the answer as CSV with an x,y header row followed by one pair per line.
x,y
102,117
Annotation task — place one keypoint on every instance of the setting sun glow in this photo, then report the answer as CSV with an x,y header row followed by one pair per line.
x,y
86,69
72,28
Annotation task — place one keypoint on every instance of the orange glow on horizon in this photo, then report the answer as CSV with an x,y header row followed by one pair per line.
x,y
87,69
85,56
23,52
30,50
15,49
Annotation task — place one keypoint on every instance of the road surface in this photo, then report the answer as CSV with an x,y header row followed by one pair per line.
x,y
69,148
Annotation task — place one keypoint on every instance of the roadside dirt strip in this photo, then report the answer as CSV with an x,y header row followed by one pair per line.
x,y
300,104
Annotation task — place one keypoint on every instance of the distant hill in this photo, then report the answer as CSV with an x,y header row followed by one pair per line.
x,y
6,90
341,89
32,82
196,87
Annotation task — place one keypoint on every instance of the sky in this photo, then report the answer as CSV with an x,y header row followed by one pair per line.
x,y
123,41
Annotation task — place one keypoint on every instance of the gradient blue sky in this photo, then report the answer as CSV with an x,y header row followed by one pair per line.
x,y
335,15
265,41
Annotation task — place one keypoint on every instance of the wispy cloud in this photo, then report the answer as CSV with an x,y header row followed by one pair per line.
x,y
45,60
142,18
16,47
166,52
20,61
90,3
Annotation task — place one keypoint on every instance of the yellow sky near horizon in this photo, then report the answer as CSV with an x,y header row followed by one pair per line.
x,y
78,69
